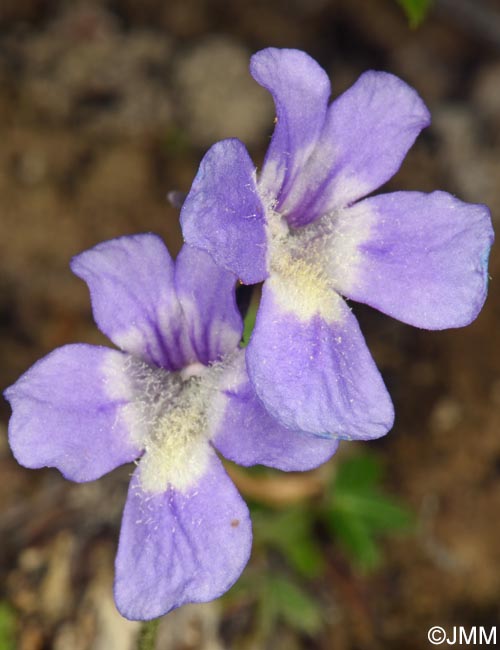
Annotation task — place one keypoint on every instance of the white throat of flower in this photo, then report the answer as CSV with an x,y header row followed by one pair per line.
x,y
167,415
177,452
296,272
309,266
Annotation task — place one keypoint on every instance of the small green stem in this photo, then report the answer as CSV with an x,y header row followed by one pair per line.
x,y
147,635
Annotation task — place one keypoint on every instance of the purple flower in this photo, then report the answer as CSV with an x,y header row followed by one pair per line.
x,y
305,227
176,393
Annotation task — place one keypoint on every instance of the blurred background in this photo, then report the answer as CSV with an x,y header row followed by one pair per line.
x,y
105,106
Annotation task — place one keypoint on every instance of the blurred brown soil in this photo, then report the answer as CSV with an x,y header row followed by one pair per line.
x,y
106,106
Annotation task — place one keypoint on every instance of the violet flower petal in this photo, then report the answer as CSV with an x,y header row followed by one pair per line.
x,y
178,548
315,373
366,135
71,411
207,296
301,90
131,282
248,435
423,259
223,214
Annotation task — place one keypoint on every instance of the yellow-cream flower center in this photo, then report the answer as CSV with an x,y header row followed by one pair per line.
x,y
177,449
297,275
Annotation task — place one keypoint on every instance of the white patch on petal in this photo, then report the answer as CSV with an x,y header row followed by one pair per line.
x,y
231,375
177,452
301,287
309,266
223,337
270,179
337,240
172,415
144,390
136,341
296,275
177,446
193,370
344,190
117,384
118,387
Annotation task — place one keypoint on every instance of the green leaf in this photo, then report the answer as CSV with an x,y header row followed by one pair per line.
x,y
359,473
416,10
249,324
355,536
293,605
378,512
279,527
7,627
290,532
305,557
356,509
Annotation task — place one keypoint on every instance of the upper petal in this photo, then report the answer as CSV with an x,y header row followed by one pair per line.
x,y
367,133
247,434
180,547
313,371
300,89
71,411
421,258
131,282
223,213
207,296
